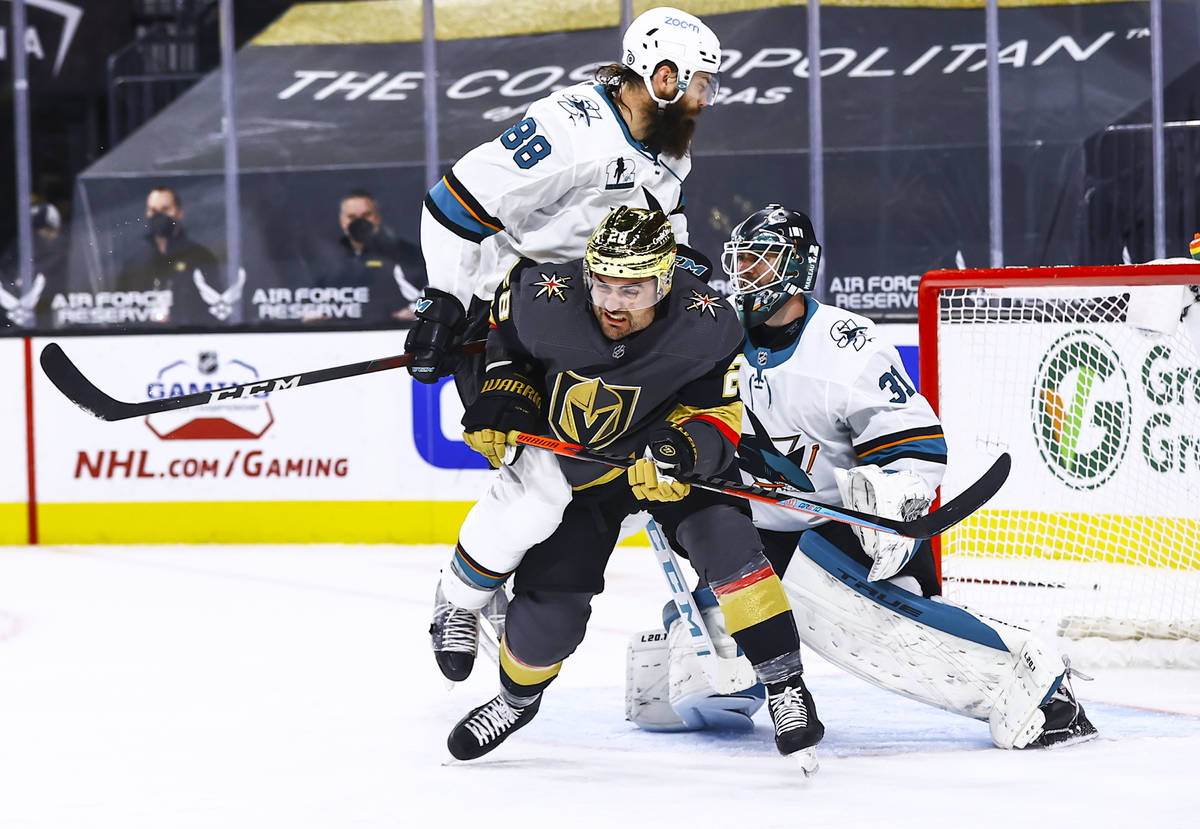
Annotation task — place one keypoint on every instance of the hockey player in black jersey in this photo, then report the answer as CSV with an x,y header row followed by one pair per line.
x,y
619,352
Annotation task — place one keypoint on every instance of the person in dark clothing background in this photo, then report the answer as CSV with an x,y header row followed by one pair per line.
x,y
168,259
369,254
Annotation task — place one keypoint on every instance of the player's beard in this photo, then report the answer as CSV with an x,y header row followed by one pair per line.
x,y
673,129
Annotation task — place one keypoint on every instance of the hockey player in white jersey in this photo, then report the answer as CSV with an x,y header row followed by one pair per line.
x,y
544,184
537,192
830,411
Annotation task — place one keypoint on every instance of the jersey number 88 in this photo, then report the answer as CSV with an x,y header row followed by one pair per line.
x,y
530,147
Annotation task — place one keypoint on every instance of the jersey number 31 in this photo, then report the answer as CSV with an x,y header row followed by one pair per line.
x,y
530,147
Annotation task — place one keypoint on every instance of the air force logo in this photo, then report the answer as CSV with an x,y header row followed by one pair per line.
x,y
846,333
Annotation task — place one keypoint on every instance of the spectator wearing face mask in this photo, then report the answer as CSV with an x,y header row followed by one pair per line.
x,y
369,254
168,258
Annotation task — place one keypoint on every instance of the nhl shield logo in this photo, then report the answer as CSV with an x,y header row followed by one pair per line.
x,y
588,411
207,362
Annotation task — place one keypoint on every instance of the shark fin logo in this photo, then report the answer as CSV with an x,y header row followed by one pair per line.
x,y
1082,410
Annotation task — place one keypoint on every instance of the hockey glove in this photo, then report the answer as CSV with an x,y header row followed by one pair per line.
x,y
670,451
508,402
433,342
901,495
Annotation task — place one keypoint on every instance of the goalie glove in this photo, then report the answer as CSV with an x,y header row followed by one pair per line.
x,y
899,495
509,402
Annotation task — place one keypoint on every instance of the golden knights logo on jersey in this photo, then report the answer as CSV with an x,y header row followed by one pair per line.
x,y
590,412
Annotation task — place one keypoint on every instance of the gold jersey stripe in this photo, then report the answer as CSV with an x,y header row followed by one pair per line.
x,y
760,601
521,673
730,414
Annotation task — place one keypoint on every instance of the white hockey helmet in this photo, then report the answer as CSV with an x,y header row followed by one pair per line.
x,y
667,34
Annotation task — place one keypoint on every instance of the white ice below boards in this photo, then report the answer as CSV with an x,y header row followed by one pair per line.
x,y
252,687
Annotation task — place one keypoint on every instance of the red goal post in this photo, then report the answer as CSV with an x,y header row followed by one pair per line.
x,y
1090,378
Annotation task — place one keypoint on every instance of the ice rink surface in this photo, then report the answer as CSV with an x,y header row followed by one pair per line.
x,y
293,688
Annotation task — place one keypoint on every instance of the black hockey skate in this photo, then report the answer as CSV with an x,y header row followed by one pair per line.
x,y
455,635
1066,723
488,726
797,729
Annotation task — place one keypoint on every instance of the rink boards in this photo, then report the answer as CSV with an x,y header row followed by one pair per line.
x,y
374,458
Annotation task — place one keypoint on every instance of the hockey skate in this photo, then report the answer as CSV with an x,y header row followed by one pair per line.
x,y
1066,723
797,729
488,726
455,632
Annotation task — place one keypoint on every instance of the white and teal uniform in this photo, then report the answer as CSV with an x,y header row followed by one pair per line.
x,y
835,397
539,190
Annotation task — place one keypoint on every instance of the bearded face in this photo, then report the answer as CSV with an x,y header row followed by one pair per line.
x,y
673,127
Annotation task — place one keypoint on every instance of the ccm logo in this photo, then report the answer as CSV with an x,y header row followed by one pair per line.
x,y
683,24
250,389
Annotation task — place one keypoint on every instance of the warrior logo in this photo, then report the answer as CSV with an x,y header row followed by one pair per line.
x,y
589,411
619,174
1081,410
553,286
846,333
580,109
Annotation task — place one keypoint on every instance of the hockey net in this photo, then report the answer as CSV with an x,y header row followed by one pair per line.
x,y
1090,379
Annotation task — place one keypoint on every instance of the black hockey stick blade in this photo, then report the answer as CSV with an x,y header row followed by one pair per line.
x,y
927,526
69,380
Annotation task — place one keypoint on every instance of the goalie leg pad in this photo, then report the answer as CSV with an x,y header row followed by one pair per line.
x,y
929,650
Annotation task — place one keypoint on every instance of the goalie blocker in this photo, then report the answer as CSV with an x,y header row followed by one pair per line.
x,y
929,650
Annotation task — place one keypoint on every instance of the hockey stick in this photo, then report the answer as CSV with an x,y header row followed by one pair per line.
x,y
927,526
69,380
701,640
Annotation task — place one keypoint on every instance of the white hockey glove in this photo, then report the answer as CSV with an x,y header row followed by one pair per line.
x,y
899,495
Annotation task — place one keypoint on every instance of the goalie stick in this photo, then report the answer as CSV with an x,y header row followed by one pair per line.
x,y
690,616
927,526
69,380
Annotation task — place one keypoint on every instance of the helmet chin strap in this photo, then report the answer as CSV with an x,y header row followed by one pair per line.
x,y
662,104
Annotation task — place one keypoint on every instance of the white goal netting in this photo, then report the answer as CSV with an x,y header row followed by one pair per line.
x,y
1095,392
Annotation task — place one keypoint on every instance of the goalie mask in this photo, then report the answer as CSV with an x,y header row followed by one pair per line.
x,y
770,257
666,34
630,244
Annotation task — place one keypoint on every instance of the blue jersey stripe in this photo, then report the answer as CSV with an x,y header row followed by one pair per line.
x,y
933,449
456,214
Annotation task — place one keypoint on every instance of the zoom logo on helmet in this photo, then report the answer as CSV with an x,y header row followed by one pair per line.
x,y
1082,410
683,24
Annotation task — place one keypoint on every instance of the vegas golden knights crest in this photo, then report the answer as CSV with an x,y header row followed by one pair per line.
x,y
589,411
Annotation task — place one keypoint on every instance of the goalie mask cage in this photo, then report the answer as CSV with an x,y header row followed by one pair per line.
x,y
1090,378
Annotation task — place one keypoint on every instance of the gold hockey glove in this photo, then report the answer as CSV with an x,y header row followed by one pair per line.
x,y
651,484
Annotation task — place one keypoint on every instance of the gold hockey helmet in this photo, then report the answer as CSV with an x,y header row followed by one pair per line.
x,y
631,243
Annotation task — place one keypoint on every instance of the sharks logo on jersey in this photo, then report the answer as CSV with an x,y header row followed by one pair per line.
x,y
619,174
588,411
580,109
846,333
770,467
